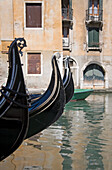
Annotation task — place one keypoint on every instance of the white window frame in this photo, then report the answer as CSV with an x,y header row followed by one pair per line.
x,y
25,15
35,75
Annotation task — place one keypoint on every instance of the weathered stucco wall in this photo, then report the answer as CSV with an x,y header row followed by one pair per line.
x,y
45,40
79,51
48,39
41,38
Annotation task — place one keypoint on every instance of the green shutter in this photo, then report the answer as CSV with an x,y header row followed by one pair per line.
x,y
88,4
70,4
96,37
100,9
100,4
90,37
93,37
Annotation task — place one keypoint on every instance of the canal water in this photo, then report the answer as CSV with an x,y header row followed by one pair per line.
x,y
80,140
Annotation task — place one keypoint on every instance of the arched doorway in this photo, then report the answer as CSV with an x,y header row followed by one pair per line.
x,y
94,76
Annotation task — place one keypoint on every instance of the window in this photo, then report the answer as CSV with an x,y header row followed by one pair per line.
x,y
65,31
93,37
33,15
34,63
94,7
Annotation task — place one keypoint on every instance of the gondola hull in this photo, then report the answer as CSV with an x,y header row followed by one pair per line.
x,y
41,121
13,106
67,83
49,106
54,111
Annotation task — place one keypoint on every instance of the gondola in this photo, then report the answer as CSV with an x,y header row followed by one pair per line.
x,y
49,106
69,91
67,82
14,115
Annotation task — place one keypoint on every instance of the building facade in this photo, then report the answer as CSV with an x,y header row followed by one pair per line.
x,y
89,43
40,23
80,29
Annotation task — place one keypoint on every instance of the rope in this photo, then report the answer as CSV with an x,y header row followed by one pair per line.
x,y
13,101
14,92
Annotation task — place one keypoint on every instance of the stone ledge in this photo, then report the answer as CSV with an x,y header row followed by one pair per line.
x,y
106,90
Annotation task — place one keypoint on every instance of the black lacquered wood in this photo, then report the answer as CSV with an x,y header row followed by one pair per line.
x,y
14,116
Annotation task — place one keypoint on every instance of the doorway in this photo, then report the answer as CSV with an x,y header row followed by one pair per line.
x,y
94,76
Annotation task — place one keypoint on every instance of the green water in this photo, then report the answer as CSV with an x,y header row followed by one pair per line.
x,y
80,140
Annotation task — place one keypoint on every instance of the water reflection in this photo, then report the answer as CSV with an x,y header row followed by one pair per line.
x,y
80,139
94,147
66,148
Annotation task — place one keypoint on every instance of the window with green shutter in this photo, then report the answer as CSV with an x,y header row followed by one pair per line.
x,y
93,37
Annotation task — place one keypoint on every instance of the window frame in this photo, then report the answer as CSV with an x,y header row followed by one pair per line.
x,y
34,28
41,59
